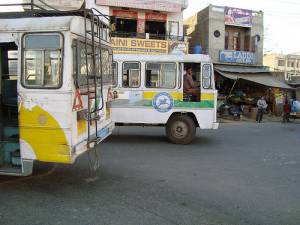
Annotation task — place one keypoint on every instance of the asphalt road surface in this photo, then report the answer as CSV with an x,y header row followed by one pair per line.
x,y
243,173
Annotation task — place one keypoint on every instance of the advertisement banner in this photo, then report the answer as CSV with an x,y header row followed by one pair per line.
x,y
148,46
238,17
230,56
159,5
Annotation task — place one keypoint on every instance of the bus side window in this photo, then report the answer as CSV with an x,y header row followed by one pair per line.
x,y
106,59
161,75
206,76
131,77
42,61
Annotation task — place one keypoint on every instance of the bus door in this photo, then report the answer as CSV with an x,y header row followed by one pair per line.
x,y
10,158
192,82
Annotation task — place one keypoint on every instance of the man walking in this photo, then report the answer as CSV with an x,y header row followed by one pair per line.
x,y
261,107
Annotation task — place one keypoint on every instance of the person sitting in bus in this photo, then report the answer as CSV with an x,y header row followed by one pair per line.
x,y
191,87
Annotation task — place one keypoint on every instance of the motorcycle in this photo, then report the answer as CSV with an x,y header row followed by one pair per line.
x,y
230,111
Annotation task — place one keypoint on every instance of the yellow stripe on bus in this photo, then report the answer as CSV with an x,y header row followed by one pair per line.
x,y
207,96
150,95
44,135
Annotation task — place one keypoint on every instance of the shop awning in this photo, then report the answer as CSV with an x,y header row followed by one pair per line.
x,y
260,78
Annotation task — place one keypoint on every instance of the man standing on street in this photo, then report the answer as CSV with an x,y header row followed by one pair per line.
x,y
261,107
286,112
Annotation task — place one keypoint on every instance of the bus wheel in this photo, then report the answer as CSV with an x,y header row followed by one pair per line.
x,y
181,129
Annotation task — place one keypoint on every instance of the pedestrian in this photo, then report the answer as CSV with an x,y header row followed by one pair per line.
x,y
261,107
286,112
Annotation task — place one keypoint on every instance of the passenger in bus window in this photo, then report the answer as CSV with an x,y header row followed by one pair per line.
x,y
191,87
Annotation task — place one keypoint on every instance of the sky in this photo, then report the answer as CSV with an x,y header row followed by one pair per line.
x,y
281,20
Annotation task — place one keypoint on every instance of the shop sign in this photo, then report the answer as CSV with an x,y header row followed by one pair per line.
x,y
229,56
238,17
125,13
159,5
156,16
148,46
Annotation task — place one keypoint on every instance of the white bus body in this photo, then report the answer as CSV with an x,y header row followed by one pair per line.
x,y
149,91
52,119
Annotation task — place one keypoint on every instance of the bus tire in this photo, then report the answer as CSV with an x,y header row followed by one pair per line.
x,y
181,129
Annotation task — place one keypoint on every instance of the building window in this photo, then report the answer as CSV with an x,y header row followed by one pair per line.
x,y
126,27
236,41
131,77
161,75
281,62
226,40
247,42
156,29
291,64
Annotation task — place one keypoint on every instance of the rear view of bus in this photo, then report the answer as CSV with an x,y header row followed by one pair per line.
x,y
55,73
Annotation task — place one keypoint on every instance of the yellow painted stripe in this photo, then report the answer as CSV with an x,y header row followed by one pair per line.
x,y
45,136
207,96
150,95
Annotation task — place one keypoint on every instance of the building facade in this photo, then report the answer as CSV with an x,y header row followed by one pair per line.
x,y
289,65
138,26
148,27
228,35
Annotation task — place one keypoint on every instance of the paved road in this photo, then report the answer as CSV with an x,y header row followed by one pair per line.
x,y
244,173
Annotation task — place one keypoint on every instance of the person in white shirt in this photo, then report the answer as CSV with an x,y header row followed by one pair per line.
x,y
261,107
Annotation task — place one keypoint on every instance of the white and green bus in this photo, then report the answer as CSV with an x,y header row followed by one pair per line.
x,y
148,91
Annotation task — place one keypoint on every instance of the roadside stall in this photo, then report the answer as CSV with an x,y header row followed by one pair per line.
x,y
243,86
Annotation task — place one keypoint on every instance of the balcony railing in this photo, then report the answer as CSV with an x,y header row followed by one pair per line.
x,y
147,36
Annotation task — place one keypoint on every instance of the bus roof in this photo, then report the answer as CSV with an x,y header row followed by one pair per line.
x,y
38,24
188,58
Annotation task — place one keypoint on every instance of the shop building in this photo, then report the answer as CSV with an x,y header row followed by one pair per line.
x,y
234,39
149,27
228,35
138,26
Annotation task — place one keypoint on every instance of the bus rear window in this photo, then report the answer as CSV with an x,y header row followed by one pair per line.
x,y
42,61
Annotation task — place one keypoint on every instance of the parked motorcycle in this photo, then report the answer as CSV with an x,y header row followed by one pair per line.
x,y
230,111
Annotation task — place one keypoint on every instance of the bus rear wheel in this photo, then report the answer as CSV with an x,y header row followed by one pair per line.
x,y
181,129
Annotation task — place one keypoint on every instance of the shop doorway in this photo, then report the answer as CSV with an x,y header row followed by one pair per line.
x,y
156,29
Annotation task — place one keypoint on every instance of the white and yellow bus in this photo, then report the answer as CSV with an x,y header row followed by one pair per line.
x,y
149,91
55,75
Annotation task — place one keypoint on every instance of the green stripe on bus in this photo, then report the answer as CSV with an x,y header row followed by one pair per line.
x,y
181,104
202,104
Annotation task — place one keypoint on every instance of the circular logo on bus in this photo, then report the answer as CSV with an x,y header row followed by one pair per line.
x,y
163,102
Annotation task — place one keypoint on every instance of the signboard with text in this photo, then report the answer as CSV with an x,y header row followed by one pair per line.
x,y
230,56
238,17
148,46
159,5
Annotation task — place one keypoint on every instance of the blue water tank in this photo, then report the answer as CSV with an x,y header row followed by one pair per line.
x,y
198,49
